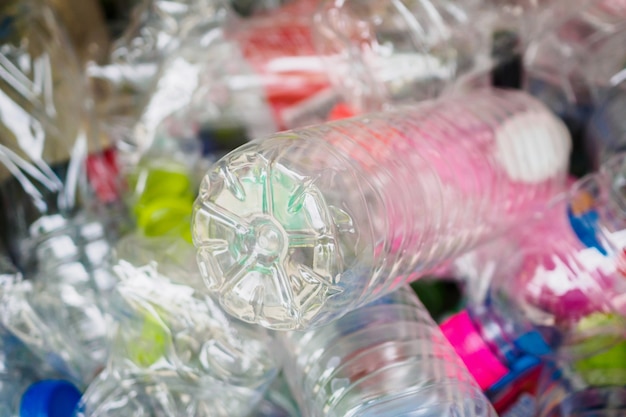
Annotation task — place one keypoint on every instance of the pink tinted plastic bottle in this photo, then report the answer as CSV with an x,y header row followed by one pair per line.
x,y
299,228
560,288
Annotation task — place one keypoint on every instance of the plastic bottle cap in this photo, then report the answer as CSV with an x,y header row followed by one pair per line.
x,y
484,366
341,111
50,398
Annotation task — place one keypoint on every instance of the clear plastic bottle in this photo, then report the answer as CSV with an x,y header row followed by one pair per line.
x,y
26,382
50,150
384,53
566,391
176,353
299,228
387,358
278,402
58,313
606,131
260,75
572,67
123,85
560,289
24,392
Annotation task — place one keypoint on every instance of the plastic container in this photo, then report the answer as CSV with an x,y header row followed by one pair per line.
x,y
58,313
299,228
157,29
259,75
174,351
26,382
560,289
568,389
52,159
387,358
278,402
572,67
606,130
386,53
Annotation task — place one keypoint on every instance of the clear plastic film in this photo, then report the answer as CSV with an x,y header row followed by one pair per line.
x,y
49,148
387,358
174,351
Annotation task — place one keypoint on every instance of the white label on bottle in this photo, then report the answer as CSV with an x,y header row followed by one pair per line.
x,y
533,147
524,407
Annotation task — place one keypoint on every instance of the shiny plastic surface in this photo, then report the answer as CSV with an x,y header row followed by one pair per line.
x,y
124,84
387,358
58,313
562,273
262,74
572,66
50,150
176,353
606,130
564,392
299,228
388,52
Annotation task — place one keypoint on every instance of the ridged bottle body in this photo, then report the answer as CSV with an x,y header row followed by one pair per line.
x,y
58,313
174,352
385,53
387,358
301,227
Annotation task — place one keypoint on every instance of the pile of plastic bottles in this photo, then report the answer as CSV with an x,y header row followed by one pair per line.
x,y
312,208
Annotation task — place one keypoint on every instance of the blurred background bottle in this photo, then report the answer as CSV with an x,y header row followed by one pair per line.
x,y
560,289
384,53
572,66
174,351
568,389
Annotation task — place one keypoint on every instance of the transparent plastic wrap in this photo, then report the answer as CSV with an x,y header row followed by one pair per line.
x,y
387,358
51,157
565,391
385,53
176,353
299,228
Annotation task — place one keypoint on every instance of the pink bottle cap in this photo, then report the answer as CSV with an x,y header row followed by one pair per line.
x,y
482,363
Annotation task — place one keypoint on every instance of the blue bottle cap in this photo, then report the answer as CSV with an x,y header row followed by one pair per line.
x,y
50,398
